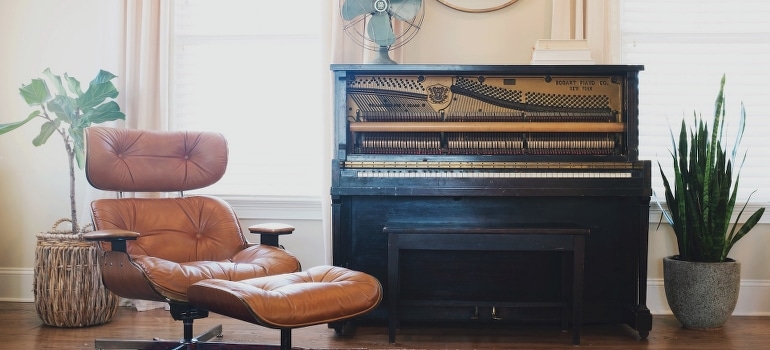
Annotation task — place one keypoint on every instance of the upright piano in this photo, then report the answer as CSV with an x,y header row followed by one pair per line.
x,y
493,146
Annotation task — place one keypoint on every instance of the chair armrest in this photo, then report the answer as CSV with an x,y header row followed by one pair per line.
x,y
116,237
269,232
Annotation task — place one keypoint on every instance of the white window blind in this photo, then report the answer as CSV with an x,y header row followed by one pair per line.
x,y
251,69
686,46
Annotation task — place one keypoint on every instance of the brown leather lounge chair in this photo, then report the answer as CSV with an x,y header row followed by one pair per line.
x,y
157,248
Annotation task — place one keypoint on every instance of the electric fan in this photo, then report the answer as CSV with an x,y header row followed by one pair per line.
x,y
389,24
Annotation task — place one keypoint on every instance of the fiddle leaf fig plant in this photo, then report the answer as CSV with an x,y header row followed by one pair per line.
x,y
65,109
702,193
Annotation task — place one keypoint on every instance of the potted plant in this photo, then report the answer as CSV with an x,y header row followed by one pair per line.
x,y
701,282
67,286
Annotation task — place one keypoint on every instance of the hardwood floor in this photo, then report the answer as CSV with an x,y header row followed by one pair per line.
x,y
20,328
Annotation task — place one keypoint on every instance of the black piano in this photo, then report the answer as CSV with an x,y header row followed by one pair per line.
x,y
493,146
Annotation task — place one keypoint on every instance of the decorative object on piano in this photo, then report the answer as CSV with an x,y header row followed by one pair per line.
x,y
68,290
701,282
389,24
555,51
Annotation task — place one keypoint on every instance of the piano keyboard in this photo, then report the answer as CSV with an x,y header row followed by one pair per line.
x,y
438,173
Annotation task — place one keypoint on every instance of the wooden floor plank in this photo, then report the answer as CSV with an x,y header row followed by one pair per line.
x,y
20,328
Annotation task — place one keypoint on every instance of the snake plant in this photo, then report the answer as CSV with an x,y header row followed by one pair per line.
x,y
705,186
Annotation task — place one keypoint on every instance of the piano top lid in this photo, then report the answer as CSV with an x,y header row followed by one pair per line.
x,y
603,69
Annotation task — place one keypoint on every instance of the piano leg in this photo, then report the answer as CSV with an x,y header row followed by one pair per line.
x,y
640,314
640,319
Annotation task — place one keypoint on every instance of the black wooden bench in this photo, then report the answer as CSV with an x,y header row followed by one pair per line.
x,y
559,238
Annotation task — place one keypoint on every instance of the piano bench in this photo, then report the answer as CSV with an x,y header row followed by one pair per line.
x,y
558,238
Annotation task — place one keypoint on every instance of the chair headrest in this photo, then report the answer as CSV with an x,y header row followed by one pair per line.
x,y
127,160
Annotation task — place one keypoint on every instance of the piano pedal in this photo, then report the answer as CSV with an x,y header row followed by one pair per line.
x,y
494,314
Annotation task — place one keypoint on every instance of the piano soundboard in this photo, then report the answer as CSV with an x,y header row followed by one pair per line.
x,y
486,115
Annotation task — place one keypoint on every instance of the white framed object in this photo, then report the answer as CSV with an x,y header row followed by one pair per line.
x,y
477,6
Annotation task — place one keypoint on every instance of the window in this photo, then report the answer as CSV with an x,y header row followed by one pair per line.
x,y
252,71
685,47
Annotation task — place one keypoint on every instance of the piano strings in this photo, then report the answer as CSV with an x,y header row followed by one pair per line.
x,y
486,143
483,116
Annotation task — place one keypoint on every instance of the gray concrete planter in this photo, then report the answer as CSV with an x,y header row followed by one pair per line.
x,y
701,295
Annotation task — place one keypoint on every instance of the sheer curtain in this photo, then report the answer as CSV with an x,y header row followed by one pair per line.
x,y
342,49
146,73
145,84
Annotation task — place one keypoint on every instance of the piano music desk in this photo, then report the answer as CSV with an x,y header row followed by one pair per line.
x,y
556,238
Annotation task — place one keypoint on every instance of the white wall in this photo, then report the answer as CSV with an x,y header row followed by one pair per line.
x,y
506,36
82,36
77,37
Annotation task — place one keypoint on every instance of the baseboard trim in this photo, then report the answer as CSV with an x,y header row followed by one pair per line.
x,y
16,284
754,298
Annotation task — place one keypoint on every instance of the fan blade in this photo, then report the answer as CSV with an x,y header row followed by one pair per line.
x,y
405,10
354,8
380,29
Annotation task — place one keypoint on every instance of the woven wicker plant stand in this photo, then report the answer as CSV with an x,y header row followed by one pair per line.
x,y
68,282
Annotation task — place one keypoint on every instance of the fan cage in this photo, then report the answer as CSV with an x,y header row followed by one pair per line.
x,y
404,31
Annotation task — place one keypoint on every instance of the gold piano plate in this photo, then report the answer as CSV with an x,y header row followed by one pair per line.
x,y
484,98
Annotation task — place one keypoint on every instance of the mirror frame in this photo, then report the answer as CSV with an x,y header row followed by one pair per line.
x,y
472,6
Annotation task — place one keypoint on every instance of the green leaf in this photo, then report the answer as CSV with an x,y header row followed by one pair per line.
x,y
747,226
56,82
99,89
73,85
105,112
102,77
96,94
46,130
64,107
4,128
36,93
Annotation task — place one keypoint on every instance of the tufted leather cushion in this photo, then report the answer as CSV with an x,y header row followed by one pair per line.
x,y
175,229
126,160
183,241
172,279
322,294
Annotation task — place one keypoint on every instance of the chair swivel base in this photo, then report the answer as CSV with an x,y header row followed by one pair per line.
x,y
157,343
180,312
